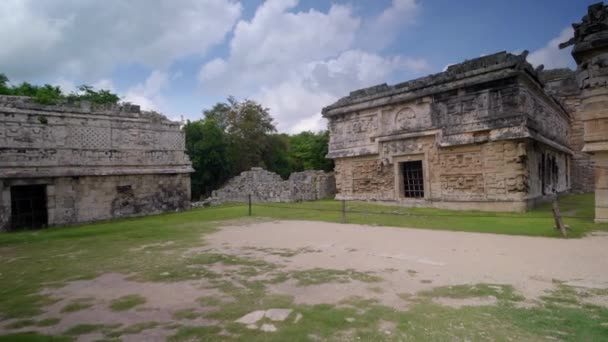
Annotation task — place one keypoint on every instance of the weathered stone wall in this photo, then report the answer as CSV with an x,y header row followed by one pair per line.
x,y
490,176
266,186
97,162
561,83
473,127
66,140
91,198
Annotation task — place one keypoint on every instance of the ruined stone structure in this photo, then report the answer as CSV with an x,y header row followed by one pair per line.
x,y
561,84
591,55
65,164
482,135
266,186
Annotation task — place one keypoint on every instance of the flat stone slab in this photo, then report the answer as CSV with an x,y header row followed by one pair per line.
x,y
268,328
251,317
278,315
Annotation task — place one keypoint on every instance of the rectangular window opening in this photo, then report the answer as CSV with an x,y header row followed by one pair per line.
x,y
413,179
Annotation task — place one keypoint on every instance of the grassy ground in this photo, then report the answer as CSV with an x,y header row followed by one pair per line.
x,y
576,209
53,257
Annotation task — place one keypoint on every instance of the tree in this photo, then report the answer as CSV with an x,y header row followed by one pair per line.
x,y
4,89
308,151
276,154
207,146
49,94
247,124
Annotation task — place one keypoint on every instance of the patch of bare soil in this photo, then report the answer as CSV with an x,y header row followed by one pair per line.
x,y
402,257
162,301
597,300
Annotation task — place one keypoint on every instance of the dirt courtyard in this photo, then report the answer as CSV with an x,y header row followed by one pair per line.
x,y
411,260
277,280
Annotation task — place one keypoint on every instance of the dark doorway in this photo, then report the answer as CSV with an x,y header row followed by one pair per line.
x,y
28,207
413,179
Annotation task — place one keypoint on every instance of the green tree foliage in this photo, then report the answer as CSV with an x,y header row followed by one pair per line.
x,y
48,94
308,151
207,146
241,135
248,125
276,154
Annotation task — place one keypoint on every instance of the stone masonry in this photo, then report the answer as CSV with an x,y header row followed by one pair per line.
x,y
483,135
590,52
65,164
266,186
561,83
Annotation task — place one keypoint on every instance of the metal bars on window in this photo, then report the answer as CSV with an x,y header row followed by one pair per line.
x,y
413,179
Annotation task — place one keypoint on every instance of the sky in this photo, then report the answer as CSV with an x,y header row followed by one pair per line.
x,y
180,57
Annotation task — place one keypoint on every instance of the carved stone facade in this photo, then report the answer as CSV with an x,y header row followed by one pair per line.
x,y
591,55
482,135
80,163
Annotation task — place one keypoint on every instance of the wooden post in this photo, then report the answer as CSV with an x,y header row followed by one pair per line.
x,y
249,202
558,218
343,211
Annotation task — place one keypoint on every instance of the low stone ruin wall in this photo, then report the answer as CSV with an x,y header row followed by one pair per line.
x,y
266,186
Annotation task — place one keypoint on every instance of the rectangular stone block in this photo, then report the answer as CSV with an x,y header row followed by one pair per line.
x,y
601,198
601,215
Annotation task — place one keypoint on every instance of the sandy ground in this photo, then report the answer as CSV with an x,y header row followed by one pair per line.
x,y
411,260
407,260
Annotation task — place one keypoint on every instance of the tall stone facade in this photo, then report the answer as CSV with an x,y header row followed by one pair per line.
x,y
591,54
482,135
66,164
266,186
562,84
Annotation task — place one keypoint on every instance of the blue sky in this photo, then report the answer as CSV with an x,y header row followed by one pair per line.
x,y
295,57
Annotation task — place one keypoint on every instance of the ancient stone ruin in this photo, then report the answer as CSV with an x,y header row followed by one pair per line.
x,y
590,52
64,164
483,135
266,186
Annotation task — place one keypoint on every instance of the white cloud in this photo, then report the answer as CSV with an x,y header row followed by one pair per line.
x,y
551,56
297,101
88,38
148,95
295,63
379,31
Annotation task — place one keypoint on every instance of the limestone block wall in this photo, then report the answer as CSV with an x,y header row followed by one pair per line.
x,y
266,186
489,176
95,162
91,198
81,139
561,83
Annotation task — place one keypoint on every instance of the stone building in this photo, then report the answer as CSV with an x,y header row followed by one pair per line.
x,y
590,52
65,164
483,135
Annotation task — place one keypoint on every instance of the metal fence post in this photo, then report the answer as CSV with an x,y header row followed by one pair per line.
x,y
343,211
249,201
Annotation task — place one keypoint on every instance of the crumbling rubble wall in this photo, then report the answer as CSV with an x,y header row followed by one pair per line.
x,y
266,186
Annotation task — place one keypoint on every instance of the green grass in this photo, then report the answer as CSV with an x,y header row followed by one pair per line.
x,y
320,275
127,302
83,329
578,211
500,291
78,304
35,260
34,337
